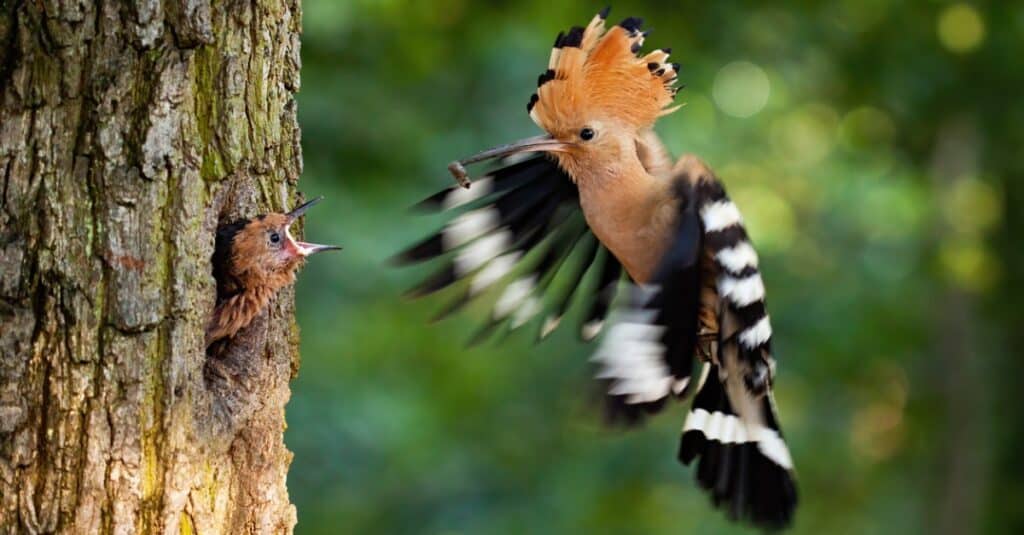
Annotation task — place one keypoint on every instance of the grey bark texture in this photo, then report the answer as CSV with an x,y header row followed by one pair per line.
x,y
128,132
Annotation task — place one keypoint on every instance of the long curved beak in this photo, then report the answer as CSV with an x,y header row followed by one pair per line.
x,y
542,143
306,248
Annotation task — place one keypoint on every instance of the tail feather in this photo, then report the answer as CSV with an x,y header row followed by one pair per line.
x,y
743,462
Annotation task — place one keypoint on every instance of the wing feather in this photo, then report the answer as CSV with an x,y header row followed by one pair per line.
x,y
523,207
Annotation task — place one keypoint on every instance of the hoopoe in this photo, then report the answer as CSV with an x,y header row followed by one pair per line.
x,y
604,196
252,260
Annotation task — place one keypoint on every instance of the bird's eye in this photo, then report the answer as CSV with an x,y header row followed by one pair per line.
x,y
587,134
275,237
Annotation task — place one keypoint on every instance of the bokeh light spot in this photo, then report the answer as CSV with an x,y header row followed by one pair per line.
x,y
770,219
805,136
970,265
972,207
891,210
961,28
877,429
741,89
866,127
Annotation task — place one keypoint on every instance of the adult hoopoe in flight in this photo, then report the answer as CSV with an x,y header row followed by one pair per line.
x,y
252,260
604,196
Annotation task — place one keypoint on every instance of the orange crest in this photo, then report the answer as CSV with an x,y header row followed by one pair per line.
x,y
598,74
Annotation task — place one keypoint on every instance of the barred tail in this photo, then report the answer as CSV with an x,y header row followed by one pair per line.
x,y
744,463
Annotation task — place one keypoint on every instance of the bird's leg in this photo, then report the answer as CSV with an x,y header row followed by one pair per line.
x,y
707,315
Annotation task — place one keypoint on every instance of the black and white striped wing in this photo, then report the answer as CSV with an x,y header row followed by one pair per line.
x,y
647,354
733,427
531,205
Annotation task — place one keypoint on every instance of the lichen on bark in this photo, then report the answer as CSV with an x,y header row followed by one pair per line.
x,y
128,131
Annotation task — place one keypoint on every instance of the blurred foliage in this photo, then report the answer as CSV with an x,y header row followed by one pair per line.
x,y
874,149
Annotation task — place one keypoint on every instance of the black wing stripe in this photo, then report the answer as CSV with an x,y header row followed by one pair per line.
x,y
520,299
488,232
740,285
542,275
497,268
432,247
515,176
439,280
512,210
498,222
482,252
607,289
523,233
744,464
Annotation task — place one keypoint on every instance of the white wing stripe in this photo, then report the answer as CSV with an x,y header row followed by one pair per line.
x,y
730,429
481,251
720,215
460,196
470,226
742,292
495,270
514,295
633,357
756,335
738,257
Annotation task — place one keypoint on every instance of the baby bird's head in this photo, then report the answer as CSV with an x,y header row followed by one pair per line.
x,y
262,252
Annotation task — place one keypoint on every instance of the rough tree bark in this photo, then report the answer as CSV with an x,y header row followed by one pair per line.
x,y
128,131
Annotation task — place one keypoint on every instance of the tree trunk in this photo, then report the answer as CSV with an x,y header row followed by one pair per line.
x,y
128,132
958,377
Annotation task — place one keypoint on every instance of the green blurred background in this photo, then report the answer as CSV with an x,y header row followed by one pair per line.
x,y
874,149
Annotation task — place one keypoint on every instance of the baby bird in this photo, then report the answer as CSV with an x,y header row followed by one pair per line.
x,y
252,260
601,200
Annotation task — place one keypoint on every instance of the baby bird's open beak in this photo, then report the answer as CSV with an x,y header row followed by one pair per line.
x,y
304,248
542,143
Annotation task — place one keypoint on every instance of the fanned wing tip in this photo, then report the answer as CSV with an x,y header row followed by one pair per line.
x,y
483,334
529,205
549,325
426,249
432,203
452,307
743,462
619,412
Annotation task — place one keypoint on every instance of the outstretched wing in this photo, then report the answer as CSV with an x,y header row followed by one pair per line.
x,y
733,427
530,205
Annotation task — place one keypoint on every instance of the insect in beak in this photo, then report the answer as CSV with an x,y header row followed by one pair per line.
x,y
304,248
542,143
